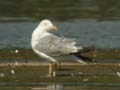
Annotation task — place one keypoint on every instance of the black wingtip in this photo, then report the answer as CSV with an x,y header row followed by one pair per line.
x,y
83,57
86,49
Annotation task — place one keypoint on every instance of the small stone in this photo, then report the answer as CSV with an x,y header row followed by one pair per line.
x,y
12,71
16,51
85,80
80,73
118,74
1,74
93,60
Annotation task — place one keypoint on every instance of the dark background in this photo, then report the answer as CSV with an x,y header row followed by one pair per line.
x,y
61,9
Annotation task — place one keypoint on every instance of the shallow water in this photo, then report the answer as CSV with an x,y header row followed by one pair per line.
x,y
64,87
71,77
88,32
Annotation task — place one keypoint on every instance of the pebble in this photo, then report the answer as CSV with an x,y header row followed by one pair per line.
x,y
85,80
118,74
1,74
93,60
16,51
80,73
12,71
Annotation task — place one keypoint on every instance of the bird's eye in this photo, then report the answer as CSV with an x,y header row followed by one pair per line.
x,y
45,23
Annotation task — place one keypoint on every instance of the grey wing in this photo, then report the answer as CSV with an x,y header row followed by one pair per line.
x,y
54,46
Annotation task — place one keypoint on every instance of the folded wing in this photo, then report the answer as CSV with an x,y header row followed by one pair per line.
x,y
54,45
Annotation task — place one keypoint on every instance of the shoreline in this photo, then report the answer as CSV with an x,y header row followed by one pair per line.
x,y
28,54
48,63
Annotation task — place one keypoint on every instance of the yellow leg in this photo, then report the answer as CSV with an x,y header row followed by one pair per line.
x,y
56,65
52,68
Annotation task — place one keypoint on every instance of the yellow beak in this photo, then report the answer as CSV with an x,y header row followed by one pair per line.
x,y
53,28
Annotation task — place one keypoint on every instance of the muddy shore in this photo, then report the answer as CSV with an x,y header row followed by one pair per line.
x,y
26,54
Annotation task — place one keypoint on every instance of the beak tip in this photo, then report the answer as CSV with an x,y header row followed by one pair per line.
x,y
54,28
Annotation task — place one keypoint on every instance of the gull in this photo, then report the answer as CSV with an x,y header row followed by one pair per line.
x,y
53,47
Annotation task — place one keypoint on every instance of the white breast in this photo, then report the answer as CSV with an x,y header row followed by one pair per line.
x,y
36,36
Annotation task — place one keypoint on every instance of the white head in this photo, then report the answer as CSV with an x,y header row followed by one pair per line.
x,y
47,25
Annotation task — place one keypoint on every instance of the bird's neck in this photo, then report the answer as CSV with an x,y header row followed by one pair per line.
x,y
37,34
41,32
42,29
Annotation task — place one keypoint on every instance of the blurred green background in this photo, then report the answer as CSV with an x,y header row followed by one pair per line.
x,y
61,9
